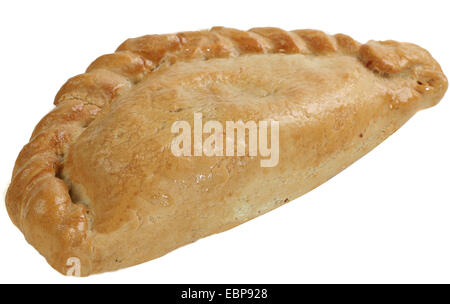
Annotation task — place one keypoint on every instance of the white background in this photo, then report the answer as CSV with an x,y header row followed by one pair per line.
x,y
386,219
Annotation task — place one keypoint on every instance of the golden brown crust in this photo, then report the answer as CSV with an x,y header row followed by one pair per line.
x,y
38,200
392,57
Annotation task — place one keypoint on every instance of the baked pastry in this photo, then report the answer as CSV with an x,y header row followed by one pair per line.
x,y
98,182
